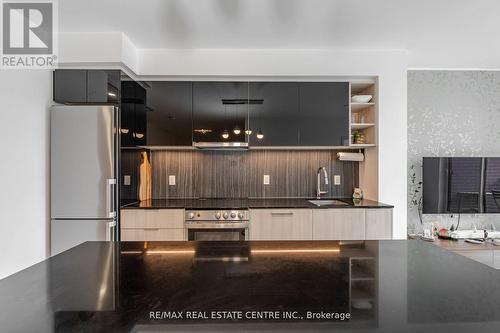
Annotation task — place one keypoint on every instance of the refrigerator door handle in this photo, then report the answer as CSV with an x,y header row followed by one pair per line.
x,y
110,197
111,231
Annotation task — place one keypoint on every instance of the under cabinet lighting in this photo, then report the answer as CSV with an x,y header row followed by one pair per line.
x,y
160,252
111,94
335,250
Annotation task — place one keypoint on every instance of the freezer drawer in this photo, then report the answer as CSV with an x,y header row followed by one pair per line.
x,y
66,234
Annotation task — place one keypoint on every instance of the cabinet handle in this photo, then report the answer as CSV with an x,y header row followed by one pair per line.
x,y
281,213
150,229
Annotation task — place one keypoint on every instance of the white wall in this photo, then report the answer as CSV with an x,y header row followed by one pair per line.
x,y
24,199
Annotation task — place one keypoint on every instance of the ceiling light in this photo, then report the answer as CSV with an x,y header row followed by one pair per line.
x,y
111,94
236,130
225,134
260,135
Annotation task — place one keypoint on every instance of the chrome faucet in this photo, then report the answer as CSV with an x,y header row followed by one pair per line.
x,y
319,192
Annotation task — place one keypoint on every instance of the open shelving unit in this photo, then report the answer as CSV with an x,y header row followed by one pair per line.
x,y
362,116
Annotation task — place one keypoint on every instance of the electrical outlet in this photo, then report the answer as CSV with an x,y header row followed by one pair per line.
x,y
126,180
266,180
171,180
336,180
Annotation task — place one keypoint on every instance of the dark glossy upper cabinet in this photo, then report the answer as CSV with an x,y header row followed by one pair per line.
x,y
97,87
274,114
324,114
70,86
78,86
133,115
170,118
220,108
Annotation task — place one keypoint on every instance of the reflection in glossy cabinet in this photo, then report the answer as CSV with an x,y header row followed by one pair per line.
x,y
220,108
339,224
133,115
281,224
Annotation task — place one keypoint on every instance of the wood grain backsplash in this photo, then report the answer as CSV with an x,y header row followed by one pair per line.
x,y
239,174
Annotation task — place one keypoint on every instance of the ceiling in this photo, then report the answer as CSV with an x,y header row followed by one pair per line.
x,y
419,26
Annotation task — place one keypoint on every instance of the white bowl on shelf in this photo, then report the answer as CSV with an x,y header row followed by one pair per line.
x,y
361,98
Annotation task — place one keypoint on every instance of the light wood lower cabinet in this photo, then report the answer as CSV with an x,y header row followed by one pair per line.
x,y
152,218
152,225
280,224
339,224
378,223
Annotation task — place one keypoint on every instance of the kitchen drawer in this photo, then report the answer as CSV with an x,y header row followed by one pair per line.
x,y
339,224
281,224
152,234
378,223
152,218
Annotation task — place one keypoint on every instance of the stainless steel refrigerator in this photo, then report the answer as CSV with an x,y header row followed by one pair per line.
x,y
83,175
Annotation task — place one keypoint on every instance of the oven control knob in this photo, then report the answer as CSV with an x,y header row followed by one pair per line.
x,y
191,216
218,215
240,215
225,215
233,215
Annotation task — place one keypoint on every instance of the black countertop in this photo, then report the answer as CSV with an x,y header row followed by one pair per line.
x,y
408,286
249,203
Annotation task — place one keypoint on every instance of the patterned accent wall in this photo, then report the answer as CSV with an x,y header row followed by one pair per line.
x,y
239,174
450,113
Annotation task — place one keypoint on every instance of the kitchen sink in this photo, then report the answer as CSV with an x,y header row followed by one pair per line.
x,y
326,202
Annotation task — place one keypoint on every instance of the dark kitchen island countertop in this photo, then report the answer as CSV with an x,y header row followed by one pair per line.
x,y
243,203
376,286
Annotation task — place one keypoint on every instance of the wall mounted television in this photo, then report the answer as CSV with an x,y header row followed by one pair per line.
x,y
461,185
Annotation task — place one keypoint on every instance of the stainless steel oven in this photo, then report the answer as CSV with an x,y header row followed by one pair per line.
x,y
217,225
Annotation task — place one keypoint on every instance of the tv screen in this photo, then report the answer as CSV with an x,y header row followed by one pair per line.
x,y
460,185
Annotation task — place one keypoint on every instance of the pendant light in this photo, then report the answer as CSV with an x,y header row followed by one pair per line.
x,y
225,133
248,130
237,130
260,135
